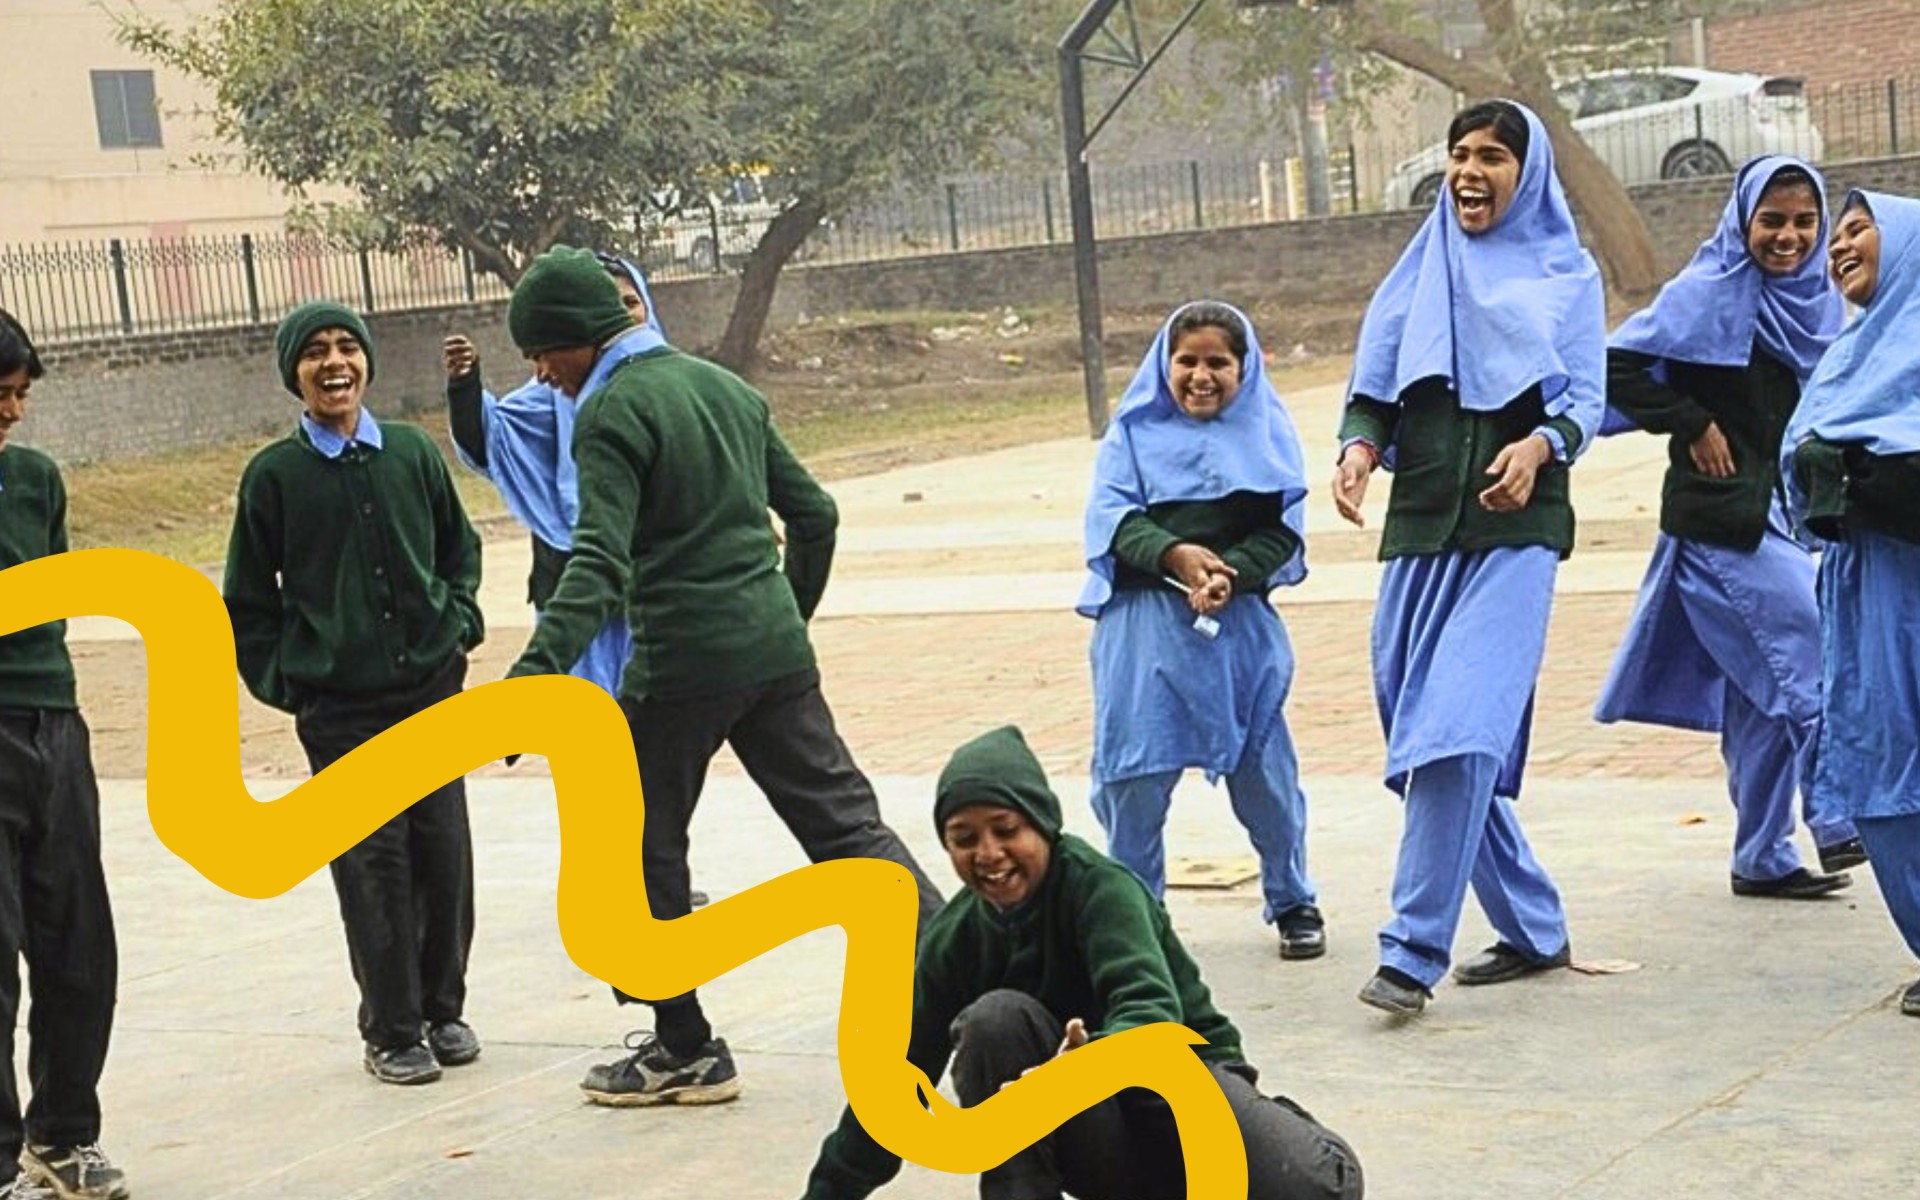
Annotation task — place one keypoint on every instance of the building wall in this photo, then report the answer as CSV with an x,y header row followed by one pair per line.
x,y
133,396
1825,42
61,185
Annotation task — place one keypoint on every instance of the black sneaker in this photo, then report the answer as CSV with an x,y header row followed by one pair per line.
x,y
453,1043
71,1173
1303,932
652,1076
25,1187
402,1064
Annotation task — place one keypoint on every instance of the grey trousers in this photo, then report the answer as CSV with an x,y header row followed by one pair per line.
x,y
1127,1146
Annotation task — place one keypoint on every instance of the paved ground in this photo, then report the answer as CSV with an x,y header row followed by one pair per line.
x,y
1747,1048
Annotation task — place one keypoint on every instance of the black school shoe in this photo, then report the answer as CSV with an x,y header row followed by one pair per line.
x,y
1797,884
651,1075
1910,1001
1841,855
71,1173
404,1065
1395,992
453,1043
1303,932
1500,962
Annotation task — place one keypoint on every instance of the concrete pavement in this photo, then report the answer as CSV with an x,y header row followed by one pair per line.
x,y
1719,1047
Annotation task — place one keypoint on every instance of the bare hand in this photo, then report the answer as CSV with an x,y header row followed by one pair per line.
x,y
1209,600
1711,454
1516,465
460,356
1075,1038
1350,482
1194,565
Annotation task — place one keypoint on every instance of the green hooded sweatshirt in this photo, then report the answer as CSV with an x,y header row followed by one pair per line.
x,y
1091,943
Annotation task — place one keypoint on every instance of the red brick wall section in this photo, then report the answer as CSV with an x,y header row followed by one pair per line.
x,y
1834,43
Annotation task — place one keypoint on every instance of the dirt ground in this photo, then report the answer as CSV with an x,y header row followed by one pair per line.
x,y
854,394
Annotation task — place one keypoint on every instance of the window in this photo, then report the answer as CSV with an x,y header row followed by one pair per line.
x,y
123,108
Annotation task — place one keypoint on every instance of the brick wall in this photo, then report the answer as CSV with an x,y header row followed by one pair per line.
x,y
153,394
1826,43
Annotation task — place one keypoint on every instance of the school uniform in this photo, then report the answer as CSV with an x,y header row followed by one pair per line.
x,y
1853,466
54,909
1166,696
351,579
1471,344
993,991
1725,633
678,464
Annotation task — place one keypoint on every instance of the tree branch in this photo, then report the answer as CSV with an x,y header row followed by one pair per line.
x,y
1374,36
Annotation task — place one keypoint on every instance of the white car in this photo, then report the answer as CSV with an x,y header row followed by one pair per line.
x,y
1671,123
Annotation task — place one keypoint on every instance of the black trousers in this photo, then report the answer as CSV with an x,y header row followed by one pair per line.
x,y
783,734
54,911
1127,1146
406,891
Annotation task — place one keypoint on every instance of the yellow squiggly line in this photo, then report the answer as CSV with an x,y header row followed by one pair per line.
x,y
201,810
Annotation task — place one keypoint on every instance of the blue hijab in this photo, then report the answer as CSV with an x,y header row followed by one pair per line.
x,y
1711,312
530,433
1867,386
1497,312
1153,453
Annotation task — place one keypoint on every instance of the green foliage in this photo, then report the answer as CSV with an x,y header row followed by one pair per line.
x,y
499,125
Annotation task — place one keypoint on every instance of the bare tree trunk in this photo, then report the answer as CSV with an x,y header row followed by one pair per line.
x,y
739,347
1614,228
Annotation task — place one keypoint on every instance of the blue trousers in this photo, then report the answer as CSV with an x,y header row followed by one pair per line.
x,y
1771,720
1458,832
1265,792
1893,846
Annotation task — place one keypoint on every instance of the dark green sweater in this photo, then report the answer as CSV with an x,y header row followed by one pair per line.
x,y
678,463
1092,943
355,574
1442,452
1849,488
1750,404
35,671
1243,528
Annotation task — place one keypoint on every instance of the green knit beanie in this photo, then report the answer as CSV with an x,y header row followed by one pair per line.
x,y
566,298
302,323
997,769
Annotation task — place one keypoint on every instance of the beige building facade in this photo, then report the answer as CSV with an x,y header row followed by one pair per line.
x,y
98,142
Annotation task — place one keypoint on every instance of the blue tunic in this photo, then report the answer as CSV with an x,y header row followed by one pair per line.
x,y
1870,631
1458,640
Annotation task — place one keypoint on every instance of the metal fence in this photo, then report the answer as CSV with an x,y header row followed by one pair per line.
x,y
78,290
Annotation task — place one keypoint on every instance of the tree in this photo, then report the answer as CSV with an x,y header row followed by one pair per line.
x,y
863,94
492,126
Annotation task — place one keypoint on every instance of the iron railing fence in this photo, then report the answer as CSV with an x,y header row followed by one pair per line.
x,y
69,291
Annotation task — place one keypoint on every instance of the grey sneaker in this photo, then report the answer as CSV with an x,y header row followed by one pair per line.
x,y
402,1064
652,1076
25,1187
71,1173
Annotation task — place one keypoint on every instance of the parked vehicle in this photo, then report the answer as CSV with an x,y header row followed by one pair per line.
x,y
1671,123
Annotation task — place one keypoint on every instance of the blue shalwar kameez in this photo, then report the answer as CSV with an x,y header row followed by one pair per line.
x,y
529,440
1459,636
1723,639
1166,697
1866,392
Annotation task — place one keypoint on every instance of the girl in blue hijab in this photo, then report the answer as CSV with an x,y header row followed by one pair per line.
x,y
1196,515
1725,636
523,443
1478,379
1854,470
